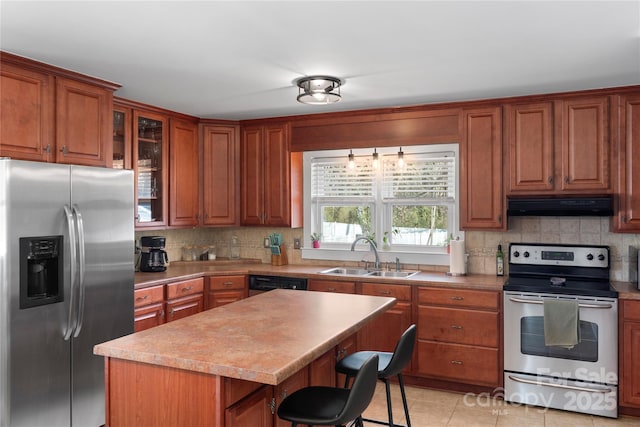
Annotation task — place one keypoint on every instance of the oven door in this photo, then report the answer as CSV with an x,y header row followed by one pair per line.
x,y
593,359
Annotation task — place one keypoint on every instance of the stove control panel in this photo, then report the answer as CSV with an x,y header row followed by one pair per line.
x,y
563,255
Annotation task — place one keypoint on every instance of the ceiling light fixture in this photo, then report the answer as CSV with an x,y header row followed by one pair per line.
x,y
400,158
319,90
352,160
375,159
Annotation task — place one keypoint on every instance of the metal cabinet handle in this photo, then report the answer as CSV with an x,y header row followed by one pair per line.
x,y
456,362
331,289
528,301
227,284
142,298
64,150
570,387
187,289
456,327
386,292
456,298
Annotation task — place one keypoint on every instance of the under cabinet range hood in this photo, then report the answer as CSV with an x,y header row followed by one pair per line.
x,y
561,206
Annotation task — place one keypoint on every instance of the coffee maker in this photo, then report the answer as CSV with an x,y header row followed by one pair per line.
x,y
153,256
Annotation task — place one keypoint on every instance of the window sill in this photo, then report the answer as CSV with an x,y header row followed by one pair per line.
x,y
422,258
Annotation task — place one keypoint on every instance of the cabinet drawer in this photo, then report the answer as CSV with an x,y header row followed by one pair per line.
x,y
332,286
631,310
222,283
458,326
184,288
399,292
184,307
467,364
459,298
146,296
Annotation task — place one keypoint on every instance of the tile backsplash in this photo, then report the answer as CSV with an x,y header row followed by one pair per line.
x,y
480,246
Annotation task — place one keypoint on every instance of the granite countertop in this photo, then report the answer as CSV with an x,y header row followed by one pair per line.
x,y
265,339
187,270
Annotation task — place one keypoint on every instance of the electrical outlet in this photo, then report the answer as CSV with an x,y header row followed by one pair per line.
x,y
296,243
266,243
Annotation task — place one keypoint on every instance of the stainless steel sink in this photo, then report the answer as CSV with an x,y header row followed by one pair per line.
x,y
344,271
396,274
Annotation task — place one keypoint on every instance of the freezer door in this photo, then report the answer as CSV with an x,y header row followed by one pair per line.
x,y
103,202
34,357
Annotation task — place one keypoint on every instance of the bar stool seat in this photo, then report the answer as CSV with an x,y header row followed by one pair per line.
x,y
332,406
389,365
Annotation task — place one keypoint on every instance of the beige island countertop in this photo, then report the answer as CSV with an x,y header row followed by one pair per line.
x,y
264,339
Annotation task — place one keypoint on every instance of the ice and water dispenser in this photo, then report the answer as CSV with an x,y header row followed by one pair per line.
x,y
41,271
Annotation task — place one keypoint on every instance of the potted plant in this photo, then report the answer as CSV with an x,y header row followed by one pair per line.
x,y
315,240
386,243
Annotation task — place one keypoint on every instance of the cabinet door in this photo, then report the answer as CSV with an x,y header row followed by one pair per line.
x,y
150,163
254,410
220,298
220,177
585,144
252,188
295,382
84,123
277,179
184,307
631,364
346,347
27,105
627,217
530,143
122,143
183,173
383,333
481,202
322,371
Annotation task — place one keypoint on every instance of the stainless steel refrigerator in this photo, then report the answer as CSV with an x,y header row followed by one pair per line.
x,y
66,284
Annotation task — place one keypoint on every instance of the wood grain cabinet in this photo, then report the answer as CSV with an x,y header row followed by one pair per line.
x,y
148,307
184,298
629,351
220,176
481,200
559,147
221,290
184,208
459,336
331,286
255,410
627,216
271,180
54,115
383,333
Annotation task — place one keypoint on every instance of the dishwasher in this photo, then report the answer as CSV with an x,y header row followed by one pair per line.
x,y
260,283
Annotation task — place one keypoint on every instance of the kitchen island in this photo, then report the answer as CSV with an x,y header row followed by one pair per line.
x,y
190,372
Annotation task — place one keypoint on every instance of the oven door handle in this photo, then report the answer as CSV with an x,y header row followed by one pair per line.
x,y
570,387
581,305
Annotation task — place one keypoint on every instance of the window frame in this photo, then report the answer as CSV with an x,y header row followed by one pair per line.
x,y
381,212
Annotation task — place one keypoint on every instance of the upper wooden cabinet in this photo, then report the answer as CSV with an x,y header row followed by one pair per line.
x,y
54,115
271,184
183,173
559,147
481,201
627,218
220,178
122,145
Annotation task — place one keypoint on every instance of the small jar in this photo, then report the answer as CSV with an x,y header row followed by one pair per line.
x,y
235,248
211,252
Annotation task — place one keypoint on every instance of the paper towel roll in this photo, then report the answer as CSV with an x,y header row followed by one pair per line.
x,y
456,258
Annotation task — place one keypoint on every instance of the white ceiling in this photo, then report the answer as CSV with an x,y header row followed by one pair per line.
x,y
239,59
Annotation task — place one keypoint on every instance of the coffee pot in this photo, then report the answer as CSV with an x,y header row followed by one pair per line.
x,y
153,257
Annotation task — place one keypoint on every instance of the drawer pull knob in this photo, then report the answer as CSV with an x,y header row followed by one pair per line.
x,y
456,326
142,298
457,298
456,362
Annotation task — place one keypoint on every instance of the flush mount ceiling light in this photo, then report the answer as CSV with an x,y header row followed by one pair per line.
x,y
319,90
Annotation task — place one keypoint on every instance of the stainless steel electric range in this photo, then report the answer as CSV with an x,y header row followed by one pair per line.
x,y
581,377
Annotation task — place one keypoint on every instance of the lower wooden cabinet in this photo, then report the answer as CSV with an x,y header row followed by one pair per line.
x,y
148,307
383,333
255,410
221,290
331,286
629,351
185,298
295,382
459,336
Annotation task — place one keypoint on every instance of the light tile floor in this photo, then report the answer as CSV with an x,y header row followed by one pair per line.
x,y
432,408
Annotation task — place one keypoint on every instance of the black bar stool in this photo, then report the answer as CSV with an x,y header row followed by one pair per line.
x,y
389,365
332,406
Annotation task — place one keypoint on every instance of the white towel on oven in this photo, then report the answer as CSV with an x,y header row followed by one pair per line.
x,y
561,323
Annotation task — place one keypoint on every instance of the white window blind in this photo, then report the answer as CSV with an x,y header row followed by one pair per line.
x,y
424,176
332,178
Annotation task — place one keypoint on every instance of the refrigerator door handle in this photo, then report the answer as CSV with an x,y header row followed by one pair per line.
x,y
81,270
72,250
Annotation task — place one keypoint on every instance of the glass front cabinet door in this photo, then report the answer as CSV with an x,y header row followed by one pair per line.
x,y
150,164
